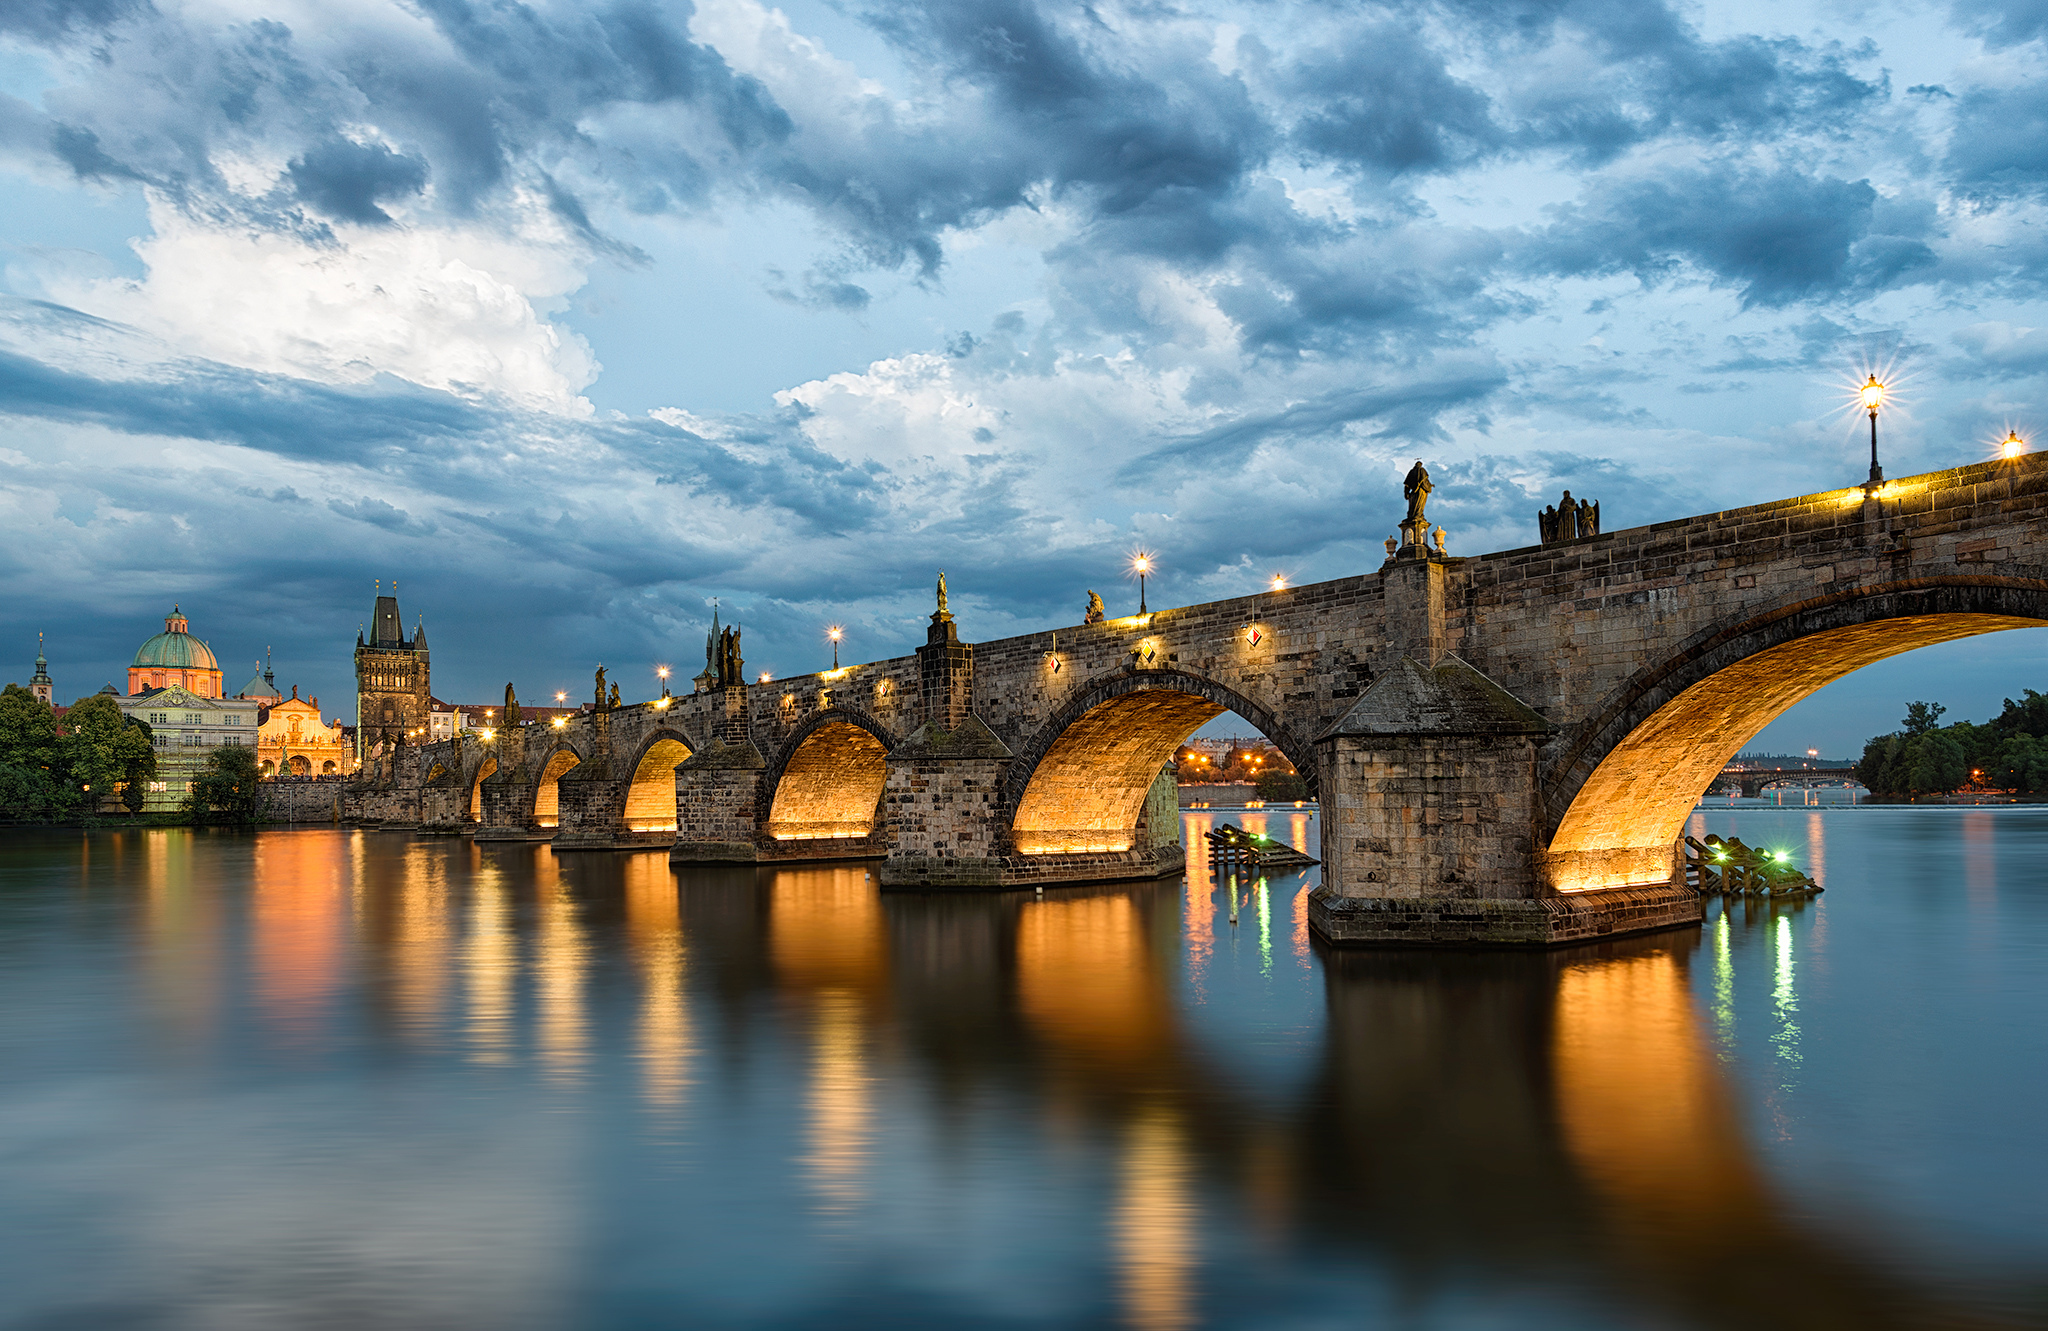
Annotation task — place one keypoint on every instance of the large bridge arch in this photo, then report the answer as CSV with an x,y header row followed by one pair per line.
x,y
827,777
1617,796
650,803
547,781
1087,769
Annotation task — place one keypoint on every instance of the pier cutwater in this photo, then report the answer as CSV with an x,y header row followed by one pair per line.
x,y
1504,746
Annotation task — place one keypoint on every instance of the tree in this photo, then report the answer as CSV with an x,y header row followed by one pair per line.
x,y
2022,764
225,791
1280,787
2029,716
103,749
1883,766
1922,717
1937,765
33,782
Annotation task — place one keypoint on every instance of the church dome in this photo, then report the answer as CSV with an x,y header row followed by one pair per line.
x,y
175,648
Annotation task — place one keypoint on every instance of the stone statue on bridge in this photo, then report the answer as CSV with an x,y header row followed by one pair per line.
x,y
1416,490
511,705
615,696
1095,612
943,612
730,667
600,688
1568,520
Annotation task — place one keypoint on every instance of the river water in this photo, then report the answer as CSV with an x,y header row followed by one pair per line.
x,y
336,1079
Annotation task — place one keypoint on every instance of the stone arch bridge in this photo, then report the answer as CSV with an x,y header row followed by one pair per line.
x,y
1505,747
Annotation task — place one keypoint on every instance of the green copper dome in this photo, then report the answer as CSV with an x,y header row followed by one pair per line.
x,y
175,648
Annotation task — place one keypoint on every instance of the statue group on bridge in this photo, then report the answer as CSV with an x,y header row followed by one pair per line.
x,y
1568,520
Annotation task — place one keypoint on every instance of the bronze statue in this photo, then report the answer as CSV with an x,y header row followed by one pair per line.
x,y
511,705
1095,613
942,593
600,688
1416,489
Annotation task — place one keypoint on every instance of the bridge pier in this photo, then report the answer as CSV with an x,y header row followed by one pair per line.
x,y
507,794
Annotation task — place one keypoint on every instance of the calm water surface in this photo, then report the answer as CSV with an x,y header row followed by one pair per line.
x,y
339,1079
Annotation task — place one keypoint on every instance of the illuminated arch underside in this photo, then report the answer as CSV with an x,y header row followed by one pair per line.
x,y
831,787
1640,795
547,797
1089,788
651,800
476,789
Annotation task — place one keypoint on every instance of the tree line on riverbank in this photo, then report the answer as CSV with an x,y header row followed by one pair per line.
x,y
94,759
1924,757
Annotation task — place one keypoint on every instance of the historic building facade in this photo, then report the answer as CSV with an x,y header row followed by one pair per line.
x,y
293,740
394,697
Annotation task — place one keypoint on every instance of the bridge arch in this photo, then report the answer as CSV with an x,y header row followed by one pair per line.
x,y
650,804
1617,796
826,779
1084,774
547,783
476,788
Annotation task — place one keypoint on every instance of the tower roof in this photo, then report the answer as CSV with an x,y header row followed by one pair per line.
x,y
387,629
260,688
175,648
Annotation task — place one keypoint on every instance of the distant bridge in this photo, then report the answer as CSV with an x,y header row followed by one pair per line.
x,y
1753,781
1505,747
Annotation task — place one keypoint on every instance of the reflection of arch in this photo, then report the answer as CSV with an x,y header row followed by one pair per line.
x,y
547,793
1619,793
827,780
651,799
476,789
1081,780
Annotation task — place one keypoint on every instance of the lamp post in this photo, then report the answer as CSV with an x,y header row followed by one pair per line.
x,y
1872,396
1143,564
2013,445
1279,582
835,633
663,672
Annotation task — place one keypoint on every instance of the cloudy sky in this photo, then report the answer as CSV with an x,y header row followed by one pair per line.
x,y
573,315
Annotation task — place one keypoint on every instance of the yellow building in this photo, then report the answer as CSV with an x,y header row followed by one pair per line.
x,y
293,740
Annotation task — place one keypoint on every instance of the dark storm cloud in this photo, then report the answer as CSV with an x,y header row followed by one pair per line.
x,y
53,20
348,180
1778,236
1999,149
1384,103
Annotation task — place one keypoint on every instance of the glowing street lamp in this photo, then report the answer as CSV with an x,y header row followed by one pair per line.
x,y
835,633
1142,563
1279,582
561,696
662,671
1872,397
2012,445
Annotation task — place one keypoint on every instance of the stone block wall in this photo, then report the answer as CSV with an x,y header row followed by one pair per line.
x,y
941,821
1408,817
312,800
719,799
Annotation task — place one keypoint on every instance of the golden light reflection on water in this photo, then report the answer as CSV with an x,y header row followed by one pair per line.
x,y
666,1041
421,939
1086,982
1199,910
560,964
825,929
490,965
1155,1228
1640,1103
838,1138
299,929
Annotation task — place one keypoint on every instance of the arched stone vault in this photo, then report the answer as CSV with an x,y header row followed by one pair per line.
x,y
1082,779
476,787
827,779
650,802
547,791
1618,795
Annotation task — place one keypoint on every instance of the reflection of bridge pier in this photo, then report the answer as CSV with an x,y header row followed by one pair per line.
x,y
1505,747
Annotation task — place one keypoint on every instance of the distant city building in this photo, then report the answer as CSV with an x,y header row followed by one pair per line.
x,y
40,683
394,698
448,719
293,740
175,659
175,688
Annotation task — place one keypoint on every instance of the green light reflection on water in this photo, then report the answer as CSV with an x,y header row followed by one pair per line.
x,y
1724,986
1783,997
1265,929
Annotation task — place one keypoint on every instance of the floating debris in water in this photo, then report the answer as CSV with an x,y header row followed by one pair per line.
x,y
1729,867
